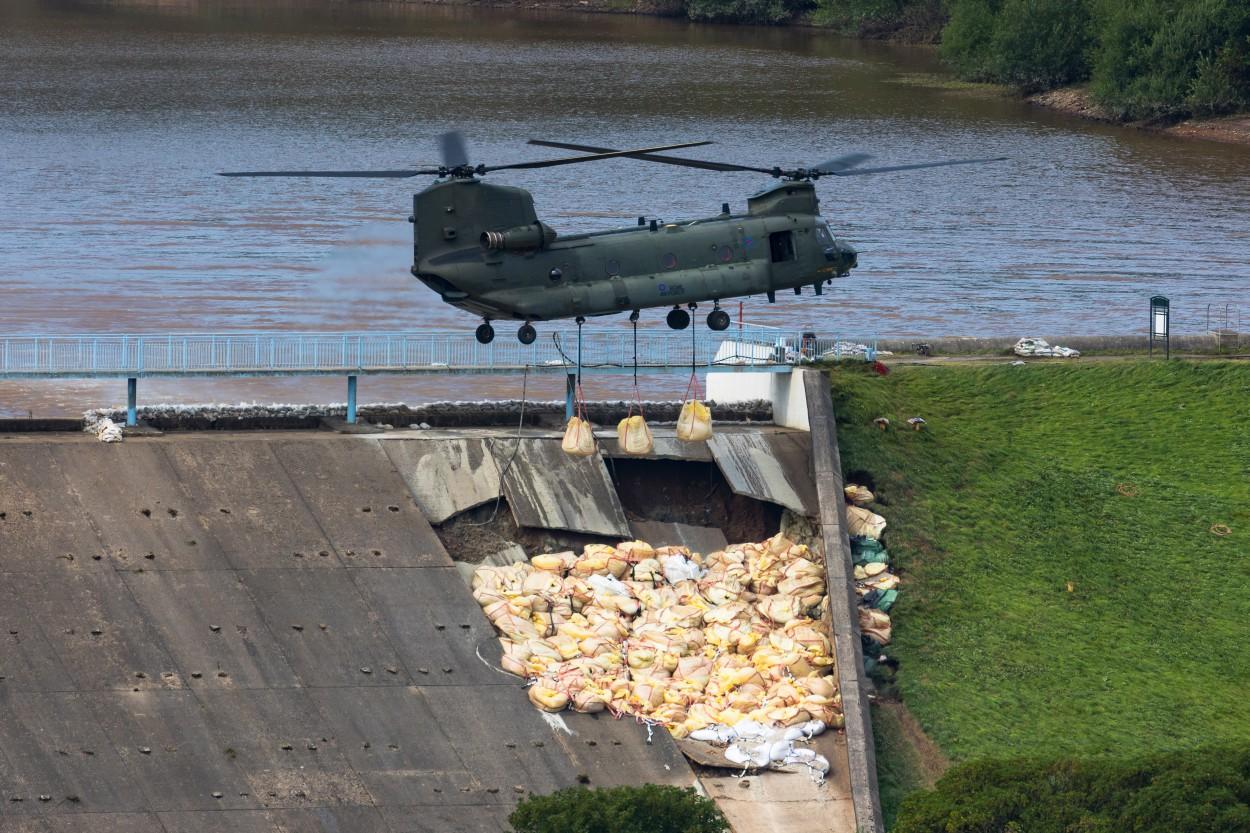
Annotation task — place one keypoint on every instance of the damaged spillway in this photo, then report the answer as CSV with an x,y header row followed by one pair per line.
x,y
267,631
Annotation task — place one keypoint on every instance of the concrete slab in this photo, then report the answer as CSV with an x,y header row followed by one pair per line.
x,y
236,821
667,447
351,650
446,476
284,746
100,636
209,624
549,489
435,625
28,661
397,745
768,466
700,539
184,766
434,818
42,525
50,744
138,506
361,503
247,502
105,823
331,820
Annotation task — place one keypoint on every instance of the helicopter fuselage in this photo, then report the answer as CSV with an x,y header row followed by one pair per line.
x,y
483,249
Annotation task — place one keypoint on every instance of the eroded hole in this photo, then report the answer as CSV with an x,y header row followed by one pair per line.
x,y
366,509
393,508
173,513
147,513
224,511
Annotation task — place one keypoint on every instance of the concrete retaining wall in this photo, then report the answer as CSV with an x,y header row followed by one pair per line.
x,y
843,603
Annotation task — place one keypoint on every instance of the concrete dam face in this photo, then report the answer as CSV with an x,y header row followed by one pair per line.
x,y
260,632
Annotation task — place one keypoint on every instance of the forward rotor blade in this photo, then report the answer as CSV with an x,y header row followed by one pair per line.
x,y
859,171
455,152
372,174
607,154
651,157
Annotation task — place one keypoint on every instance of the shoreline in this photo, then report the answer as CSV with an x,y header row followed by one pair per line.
x,y
1071,100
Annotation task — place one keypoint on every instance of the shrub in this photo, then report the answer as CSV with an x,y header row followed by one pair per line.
x,y
1196,791
1161,59
745,11
1040,44
646,809
966,39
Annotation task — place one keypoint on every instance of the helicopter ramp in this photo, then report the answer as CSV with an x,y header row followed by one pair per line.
x,y
252,633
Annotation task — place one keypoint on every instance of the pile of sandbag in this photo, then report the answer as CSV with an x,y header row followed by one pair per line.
x,y
105,430
668,636
1041,347
875,585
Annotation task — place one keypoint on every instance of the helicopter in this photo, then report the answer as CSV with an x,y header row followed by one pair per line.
x,y
482,248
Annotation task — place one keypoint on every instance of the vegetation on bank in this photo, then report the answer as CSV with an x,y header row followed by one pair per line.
x,y
1072,539
1197,791
1142,59
648,808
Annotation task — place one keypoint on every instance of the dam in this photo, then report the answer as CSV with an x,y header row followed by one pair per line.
x,y
268,631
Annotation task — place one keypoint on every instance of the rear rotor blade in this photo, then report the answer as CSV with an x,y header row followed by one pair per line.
x,y
569,160
455,152
651,157
840,163
367,174
859,171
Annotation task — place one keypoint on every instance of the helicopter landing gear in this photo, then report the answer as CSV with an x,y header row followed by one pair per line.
x,y
678,318
485,333
527,333
718,320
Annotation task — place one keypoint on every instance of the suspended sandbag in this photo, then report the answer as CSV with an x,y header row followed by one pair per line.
x,y
858,495
634,436
579,438
694,424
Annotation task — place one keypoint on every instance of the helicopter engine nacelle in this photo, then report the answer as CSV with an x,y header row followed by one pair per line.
x,y
535,235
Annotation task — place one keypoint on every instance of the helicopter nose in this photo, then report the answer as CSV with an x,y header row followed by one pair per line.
x,y
844,255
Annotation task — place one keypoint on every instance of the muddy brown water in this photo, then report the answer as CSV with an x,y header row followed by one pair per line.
x,y
114,117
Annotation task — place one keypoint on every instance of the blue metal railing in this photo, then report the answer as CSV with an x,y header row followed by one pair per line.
x,y
292,354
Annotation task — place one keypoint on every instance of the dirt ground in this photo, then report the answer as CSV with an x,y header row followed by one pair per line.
x,y
1075,100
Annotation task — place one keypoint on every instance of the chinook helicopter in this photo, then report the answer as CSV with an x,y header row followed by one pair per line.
x,y
482,248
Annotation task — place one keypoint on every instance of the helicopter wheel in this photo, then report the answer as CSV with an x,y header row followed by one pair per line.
x,y
678,318
718,320
485,333
526,334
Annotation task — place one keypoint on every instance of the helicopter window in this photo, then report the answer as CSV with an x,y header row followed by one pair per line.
x,y
614,266
823,235
781,243
669,260
726,254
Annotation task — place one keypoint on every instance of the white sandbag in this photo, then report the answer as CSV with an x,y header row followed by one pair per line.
x,y
608,584
679,568
579,438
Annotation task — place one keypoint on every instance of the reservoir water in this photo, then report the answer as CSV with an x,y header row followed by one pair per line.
x,y
115,117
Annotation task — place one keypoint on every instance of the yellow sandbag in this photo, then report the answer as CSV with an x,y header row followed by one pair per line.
x,y
547,699
579,438
634,436
861,523
858,495
694,424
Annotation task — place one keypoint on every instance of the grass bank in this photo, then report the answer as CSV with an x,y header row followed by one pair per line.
x,y
1065,594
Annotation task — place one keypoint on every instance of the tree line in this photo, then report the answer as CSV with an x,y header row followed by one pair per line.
x,y
1142,59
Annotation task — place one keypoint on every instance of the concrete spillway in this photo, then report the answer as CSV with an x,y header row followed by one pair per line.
x,y
261,631
258,633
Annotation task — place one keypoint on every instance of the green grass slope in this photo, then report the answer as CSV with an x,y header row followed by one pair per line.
x,y
1010,496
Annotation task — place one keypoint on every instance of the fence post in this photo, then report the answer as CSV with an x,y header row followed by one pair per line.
x,y
351,400
132,395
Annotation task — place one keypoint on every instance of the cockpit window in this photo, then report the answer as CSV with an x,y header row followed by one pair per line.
x,y
823,235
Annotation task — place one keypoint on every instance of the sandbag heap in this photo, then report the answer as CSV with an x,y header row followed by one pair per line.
x,y
875,585
668,636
